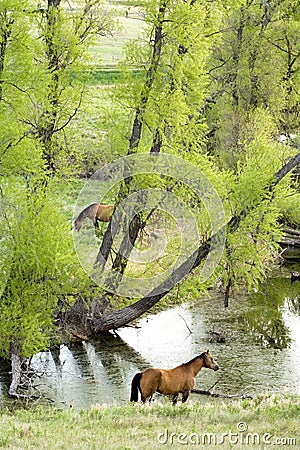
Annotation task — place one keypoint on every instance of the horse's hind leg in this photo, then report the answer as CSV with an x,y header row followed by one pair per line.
x,y
175,398
147,396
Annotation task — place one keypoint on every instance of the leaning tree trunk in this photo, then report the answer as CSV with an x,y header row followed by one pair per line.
x,y
101,323
111,321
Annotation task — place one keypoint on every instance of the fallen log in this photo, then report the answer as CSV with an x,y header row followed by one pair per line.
x,y
291,238
218,395
215,394
292,232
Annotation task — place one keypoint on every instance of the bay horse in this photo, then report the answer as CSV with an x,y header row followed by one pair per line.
x,y
181,379
95,212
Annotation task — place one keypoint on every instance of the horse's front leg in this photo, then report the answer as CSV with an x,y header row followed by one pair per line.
x,y
185,396
146,399
175,398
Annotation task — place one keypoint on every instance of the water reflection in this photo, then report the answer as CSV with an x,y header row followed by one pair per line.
x,y
265,310
260,350
84,374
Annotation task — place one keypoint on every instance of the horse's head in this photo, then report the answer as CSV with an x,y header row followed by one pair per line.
x,y
209,361
77,224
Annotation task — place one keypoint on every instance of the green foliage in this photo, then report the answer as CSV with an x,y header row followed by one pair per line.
x,y
42,50
290,210
39,267
224,89
264,314
255,64
179,82
16,82
40,89
251,249
242,108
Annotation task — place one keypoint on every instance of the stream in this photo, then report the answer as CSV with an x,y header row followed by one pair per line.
x,y
256,342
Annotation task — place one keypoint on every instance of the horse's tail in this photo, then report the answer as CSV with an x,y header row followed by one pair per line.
x,y
135,387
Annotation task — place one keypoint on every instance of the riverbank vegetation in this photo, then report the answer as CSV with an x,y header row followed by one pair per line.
x,y
264,421
207,88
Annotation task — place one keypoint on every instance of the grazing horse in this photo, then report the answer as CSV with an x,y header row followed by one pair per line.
x,y
181,379
95,212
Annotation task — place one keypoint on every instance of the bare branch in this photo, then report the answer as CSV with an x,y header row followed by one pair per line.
x,y
10,83
56,130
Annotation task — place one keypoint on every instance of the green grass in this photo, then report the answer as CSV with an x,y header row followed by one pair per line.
x,y
109,50
104,76
269,419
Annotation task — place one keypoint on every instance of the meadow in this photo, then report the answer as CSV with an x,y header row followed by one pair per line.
x,y
263,422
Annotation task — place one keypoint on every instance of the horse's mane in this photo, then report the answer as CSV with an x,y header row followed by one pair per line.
x,y
202,356
84,212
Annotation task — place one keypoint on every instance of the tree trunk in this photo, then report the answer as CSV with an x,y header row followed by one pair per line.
x,y
236,58
48,122
136,131
5,32
125,315
16,369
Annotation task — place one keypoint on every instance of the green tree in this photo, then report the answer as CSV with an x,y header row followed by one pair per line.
x,y
192,95
38,94
254,65
234,225
39,267
64,36
16,83
164,104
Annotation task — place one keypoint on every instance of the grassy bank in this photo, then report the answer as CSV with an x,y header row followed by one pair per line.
x,y
263,422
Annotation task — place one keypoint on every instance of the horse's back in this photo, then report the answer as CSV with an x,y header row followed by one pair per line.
x,y
92,210
152,373
104,212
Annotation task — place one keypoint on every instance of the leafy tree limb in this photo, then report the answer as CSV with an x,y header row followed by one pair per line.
x,y
125,315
